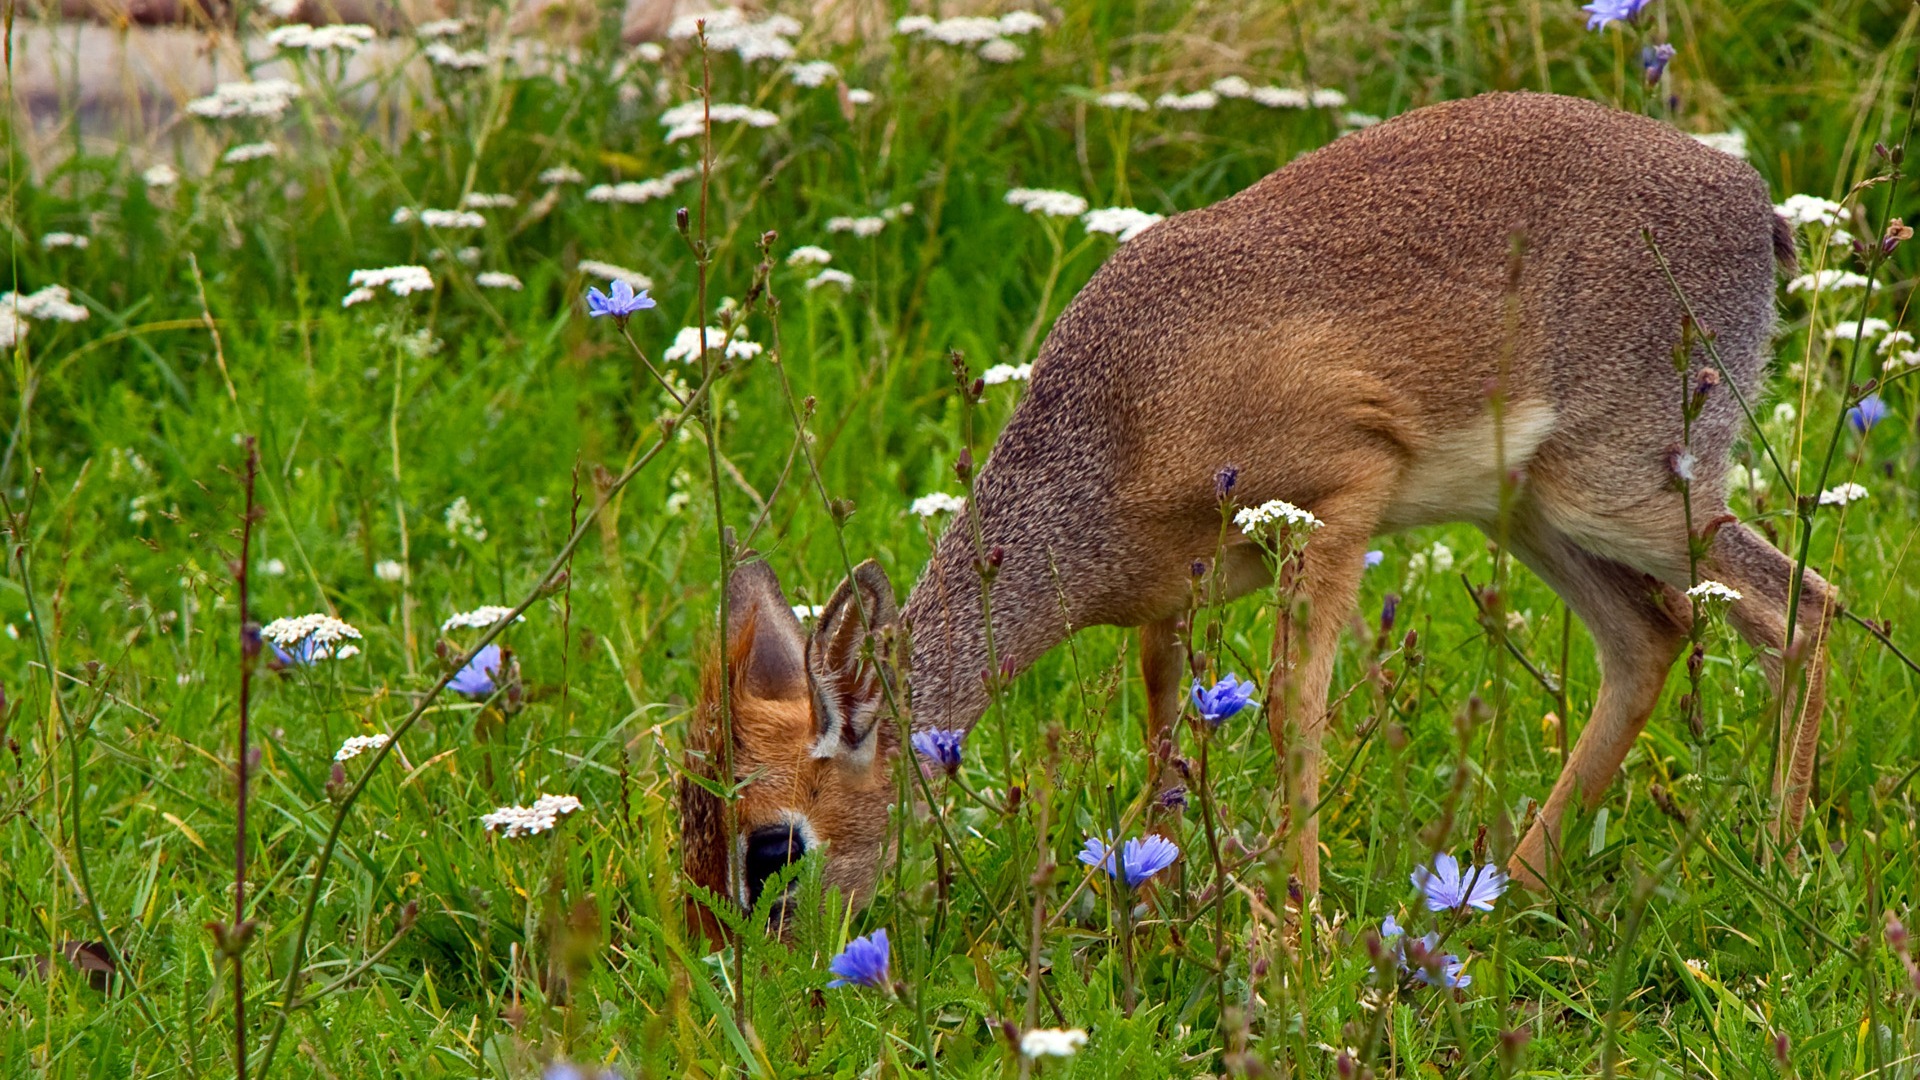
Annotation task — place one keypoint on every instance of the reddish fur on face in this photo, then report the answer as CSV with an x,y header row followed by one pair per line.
x,y
774,732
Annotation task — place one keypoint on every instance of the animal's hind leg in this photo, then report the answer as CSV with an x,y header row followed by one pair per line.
x,y
1162,666
1638,626
1745,562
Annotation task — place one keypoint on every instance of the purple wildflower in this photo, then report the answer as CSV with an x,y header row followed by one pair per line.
x,y
1373,558
940,746
1140,858
1653,63
622,303
1423,958
1447,890
1223,699
1602,12
1869,412
476,679
863,963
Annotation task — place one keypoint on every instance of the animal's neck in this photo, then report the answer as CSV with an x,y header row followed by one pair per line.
x,y
947,613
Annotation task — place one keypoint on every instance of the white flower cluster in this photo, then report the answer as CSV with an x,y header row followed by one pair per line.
x,y
1048,202
991,37
937,503
360,744
1122,99
162,175
1052,1042
562,174
871,224
813,73
246,152
389,570
46,305
265,98
1257,519
1733,143
348,38
480,200
1842,495
686,345
1713,592
497,279
462,520
440,28
732,30
597,269
398,280
544,814
809,255
316,636
55,240
634,192
1124,222
687,120
1004,373
1868,328
1803,210
1198,101
452,219
1438,558
1829,281
480,618
830,277
441,54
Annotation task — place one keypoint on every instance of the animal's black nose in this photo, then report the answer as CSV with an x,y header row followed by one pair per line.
x,y
769,849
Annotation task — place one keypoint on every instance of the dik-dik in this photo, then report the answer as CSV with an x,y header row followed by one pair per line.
x,y
1334,332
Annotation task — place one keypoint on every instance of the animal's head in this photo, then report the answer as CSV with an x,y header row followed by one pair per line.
x,y
812,741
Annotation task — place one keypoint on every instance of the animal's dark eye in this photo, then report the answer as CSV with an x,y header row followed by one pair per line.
x,y
769,849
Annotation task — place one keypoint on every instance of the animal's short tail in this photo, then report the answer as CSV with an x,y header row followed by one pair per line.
x,y
1783,250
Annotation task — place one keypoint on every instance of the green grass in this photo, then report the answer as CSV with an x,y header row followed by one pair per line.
x,y
122,471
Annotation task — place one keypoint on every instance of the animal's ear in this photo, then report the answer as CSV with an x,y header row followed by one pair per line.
x,y
849,681
765,645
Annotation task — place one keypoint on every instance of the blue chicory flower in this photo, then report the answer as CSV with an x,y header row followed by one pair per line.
x,y
622,303
1869,412
1140,858
1423,958
940,746
1602,12
1223,699
1447,890
1654,59
1374,558
476,679
863,963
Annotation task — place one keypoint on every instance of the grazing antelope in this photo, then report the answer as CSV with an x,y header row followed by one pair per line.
x,y
1333,331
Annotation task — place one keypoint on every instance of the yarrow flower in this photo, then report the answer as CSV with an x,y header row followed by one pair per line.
x,y
1223,699
306,639
1731,143
1198,101
477,678
441,54
813,73
1140,859
1871,410
686,345
398,280
687,120
1002,373
940,746
544,814
463,520
360,744
623,302
1447,890
1853,329
1713,592
1124,222
51,304
937,503
862,227
1829,281
266,98
349,38
55,240
1253,520
732,30
480,618
1122,99
1050,203
830,277
250,152
635,192
497,279
1801,210
562,174
864,962
389,570
809,255
440,28
1842,495
1052,1042
162,175
1602,12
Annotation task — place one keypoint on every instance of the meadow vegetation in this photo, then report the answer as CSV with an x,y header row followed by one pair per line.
x,y
428,450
